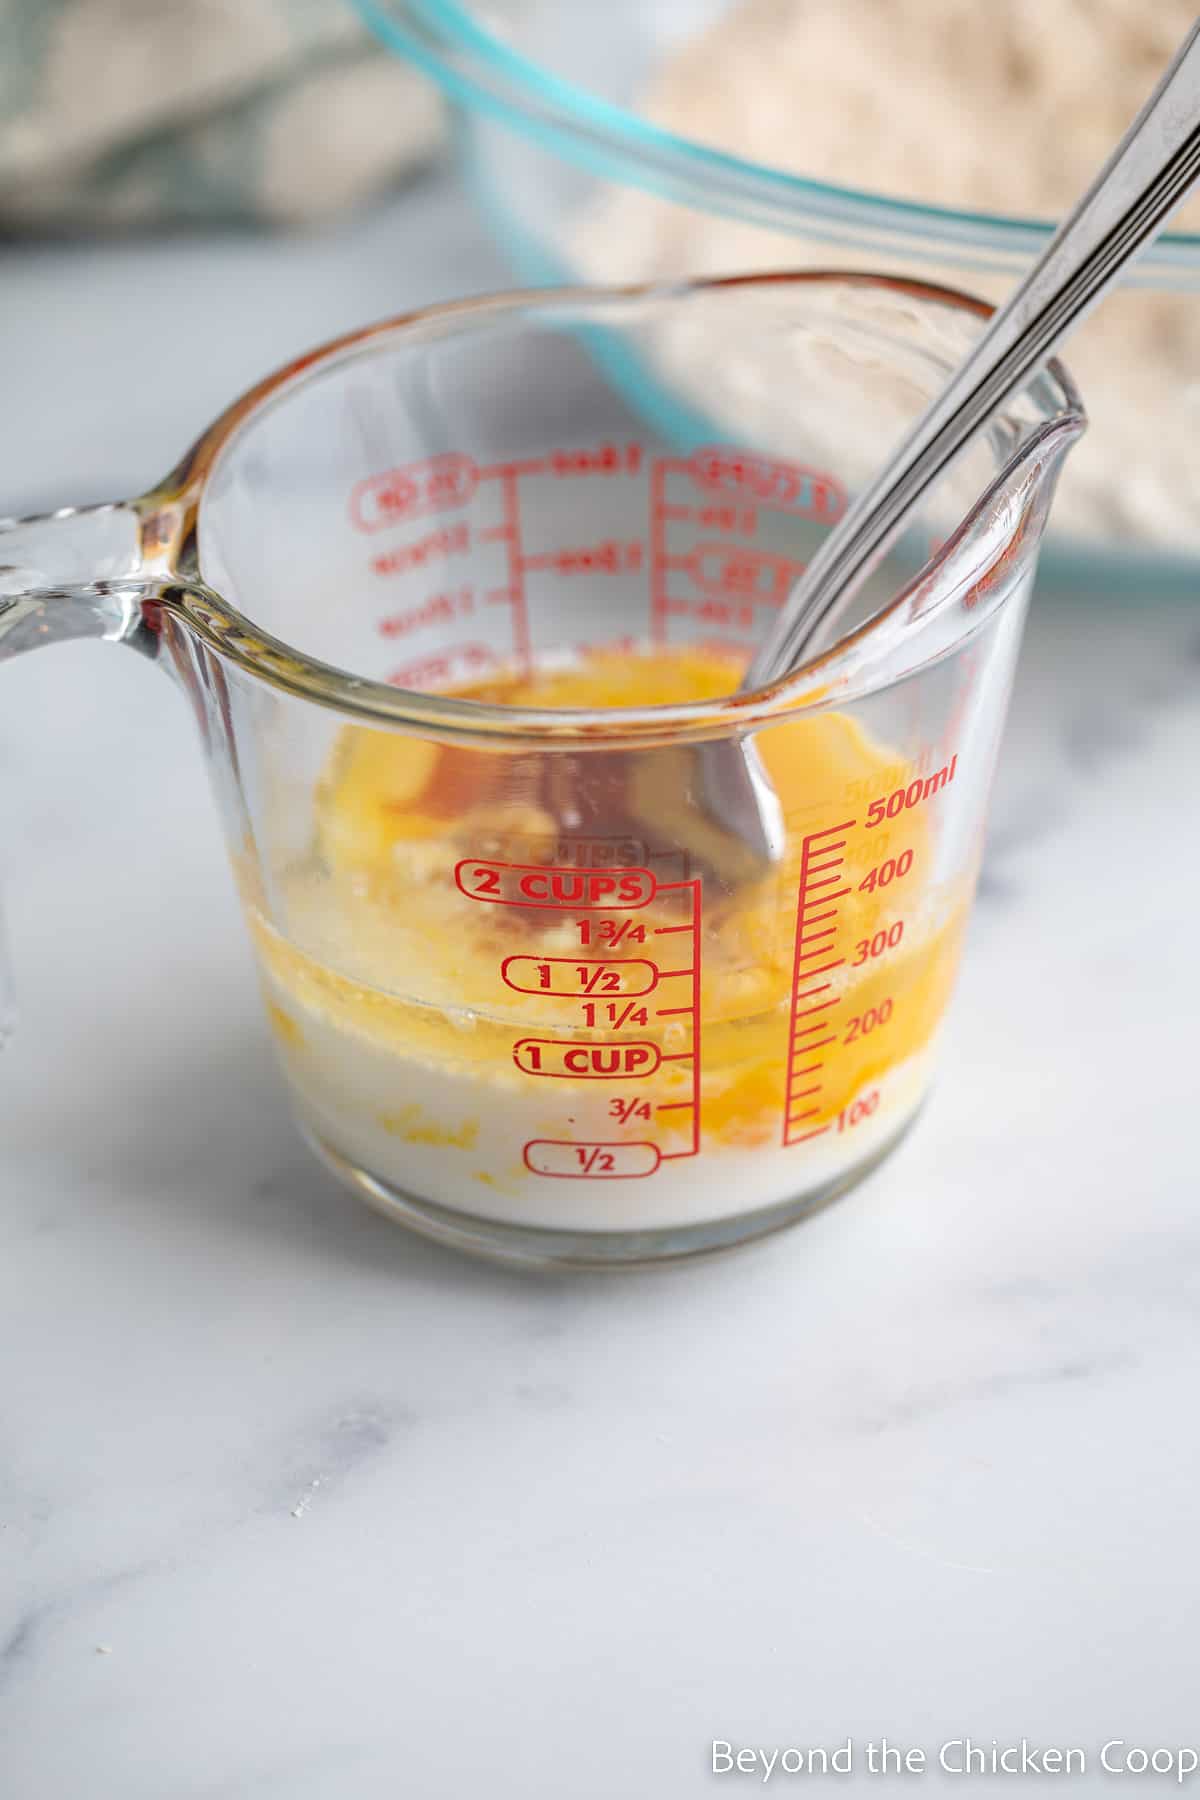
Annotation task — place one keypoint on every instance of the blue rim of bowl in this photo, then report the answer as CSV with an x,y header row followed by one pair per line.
x,y
478,69
1067,563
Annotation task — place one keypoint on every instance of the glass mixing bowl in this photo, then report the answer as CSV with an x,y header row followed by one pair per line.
x,y
576,184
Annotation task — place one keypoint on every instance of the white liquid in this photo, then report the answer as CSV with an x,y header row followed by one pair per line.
x,y
458,1135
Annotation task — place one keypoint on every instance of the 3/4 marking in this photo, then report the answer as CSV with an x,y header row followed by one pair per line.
x,y
626,1109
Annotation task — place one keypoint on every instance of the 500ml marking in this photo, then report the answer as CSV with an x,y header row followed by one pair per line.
x,y
817,1029
902,799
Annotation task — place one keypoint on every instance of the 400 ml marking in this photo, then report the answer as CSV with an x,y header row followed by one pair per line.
x,y
818,1026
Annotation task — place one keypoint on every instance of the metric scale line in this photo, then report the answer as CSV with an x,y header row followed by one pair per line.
x,y
692,1055
821,870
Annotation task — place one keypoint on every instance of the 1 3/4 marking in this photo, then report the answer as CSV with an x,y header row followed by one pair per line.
x,y
609,932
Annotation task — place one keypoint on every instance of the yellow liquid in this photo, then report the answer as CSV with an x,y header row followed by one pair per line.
x,y
377,942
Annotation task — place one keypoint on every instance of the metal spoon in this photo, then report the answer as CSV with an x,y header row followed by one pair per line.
x,y
1147,176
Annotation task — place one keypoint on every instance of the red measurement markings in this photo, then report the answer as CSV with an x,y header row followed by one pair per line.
x,y
522,646
813,1002
587,890
691,1010
610,932
726,615
739,519
612,557
413,491
448,540
601,459
616,1013
564,975
439,609
613,1058
734,569
565,1059
764,481
569,852
903,799
660,605
443,670
574,1162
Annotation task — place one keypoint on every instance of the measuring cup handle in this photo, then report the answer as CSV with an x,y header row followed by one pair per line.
x,y
70,574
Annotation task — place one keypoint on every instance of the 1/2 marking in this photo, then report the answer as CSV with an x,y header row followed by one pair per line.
x,y
571,1161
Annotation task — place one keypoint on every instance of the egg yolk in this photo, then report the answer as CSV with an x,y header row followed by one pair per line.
x,y
373,935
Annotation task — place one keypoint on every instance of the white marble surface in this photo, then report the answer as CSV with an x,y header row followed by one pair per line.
x,y
293,1504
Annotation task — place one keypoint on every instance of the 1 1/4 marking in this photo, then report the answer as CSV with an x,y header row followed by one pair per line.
x,y
611,1012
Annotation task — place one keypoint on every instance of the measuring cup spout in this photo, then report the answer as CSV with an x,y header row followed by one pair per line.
x,y
76,573
986,564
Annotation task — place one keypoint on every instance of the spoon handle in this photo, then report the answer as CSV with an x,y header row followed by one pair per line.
x,y
1140,185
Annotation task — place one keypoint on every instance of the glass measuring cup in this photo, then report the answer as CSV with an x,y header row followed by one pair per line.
x,y
525,1000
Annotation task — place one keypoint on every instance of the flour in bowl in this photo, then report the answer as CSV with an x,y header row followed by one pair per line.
x,y
1004,108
